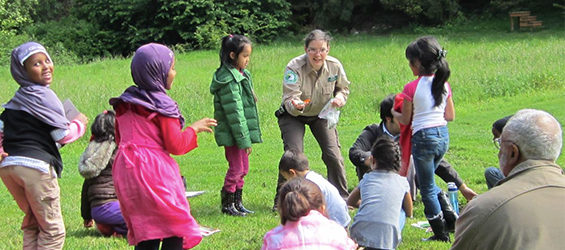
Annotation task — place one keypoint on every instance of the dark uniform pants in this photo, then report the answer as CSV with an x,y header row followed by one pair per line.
x,y
292,130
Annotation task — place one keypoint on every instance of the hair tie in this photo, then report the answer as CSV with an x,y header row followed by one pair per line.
x,y
105,111
231,35
442,53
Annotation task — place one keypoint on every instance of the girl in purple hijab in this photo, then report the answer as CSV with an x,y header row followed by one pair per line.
x,y
33,126
147,179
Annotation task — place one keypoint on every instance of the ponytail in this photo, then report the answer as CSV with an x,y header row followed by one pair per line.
x,y
438,84
297,197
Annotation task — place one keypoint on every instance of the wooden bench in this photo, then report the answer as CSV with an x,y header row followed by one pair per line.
x,y
525,20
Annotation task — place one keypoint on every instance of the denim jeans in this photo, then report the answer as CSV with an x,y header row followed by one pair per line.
x,y
428,147
492,176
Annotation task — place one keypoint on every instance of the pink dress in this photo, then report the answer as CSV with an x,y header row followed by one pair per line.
x,y
148,184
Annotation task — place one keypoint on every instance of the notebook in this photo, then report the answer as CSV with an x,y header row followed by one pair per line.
x,y
190,194
71,112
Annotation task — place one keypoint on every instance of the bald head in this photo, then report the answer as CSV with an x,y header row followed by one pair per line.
x,y
537,134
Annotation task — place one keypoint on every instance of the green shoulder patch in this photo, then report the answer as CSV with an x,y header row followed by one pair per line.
x,y
290,77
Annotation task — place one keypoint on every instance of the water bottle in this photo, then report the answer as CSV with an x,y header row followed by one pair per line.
x,y
452,194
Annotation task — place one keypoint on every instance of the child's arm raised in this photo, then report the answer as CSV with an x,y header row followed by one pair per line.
x,y
76,130
179,142
407,204
354,198
204,124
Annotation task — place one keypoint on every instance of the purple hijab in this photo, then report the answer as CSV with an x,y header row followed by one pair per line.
x,y
38,100
149,68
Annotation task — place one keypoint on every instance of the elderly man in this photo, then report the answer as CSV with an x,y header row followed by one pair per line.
x,y
526,209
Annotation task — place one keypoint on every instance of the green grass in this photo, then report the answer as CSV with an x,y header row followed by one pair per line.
x,y
494,74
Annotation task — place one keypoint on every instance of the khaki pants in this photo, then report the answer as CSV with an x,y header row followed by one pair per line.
x,y
292,130
37,195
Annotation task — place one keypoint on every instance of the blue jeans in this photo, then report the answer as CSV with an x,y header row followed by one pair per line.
x,y
492,176
428,147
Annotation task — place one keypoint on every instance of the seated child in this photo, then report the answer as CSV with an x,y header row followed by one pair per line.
x,y
295,164
493,174
385,199
304,224
98,199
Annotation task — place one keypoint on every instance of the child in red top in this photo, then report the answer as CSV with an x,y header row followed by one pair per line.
x,y
149,127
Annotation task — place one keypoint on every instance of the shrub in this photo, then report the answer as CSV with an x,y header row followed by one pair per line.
x,y
199,23
15,15
76,40
425,11
8,42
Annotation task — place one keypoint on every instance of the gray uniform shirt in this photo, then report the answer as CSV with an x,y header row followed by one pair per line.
x,y
302,82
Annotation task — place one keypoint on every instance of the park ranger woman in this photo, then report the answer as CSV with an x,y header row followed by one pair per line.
x,y
311,81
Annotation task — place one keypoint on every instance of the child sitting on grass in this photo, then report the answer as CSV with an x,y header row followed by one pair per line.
x,y
304,224
294,163
98,197
385,199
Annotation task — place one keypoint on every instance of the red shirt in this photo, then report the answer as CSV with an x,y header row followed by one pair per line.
x,y
177,142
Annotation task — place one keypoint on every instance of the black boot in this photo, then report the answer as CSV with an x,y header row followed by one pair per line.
x,y
238,204
228,204
448,211
439,228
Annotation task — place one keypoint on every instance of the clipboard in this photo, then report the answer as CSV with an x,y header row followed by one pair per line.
x,y
71,112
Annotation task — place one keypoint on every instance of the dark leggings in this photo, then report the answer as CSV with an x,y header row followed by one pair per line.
x,y
172,243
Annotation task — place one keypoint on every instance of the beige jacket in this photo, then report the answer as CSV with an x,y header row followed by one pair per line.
x,y
525,210
302,82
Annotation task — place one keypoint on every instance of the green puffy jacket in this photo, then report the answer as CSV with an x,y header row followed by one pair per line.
x,y
235,108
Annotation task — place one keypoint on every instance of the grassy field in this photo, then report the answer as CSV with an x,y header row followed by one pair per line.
x,y
494,74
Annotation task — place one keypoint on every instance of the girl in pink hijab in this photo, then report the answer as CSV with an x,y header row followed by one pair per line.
x,y
149,128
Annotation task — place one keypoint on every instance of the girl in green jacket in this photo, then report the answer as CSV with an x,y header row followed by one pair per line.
x,y
235,109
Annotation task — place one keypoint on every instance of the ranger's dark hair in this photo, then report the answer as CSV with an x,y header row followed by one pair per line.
x,y
317,35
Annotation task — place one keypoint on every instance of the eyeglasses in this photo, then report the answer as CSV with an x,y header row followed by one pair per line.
x,y
497,142
316,51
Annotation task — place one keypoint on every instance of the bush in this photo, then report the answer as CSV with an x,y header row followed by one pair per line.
x,y
73,39
425,11
199,23
15,15
9,42
505,6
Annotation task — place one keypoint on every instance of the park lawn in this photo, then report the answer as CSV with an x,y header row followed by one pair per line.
x,y
494,74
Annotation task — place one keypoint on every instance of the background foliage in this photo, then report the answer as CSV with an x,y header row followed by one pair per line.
x,y
85,30
494,74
